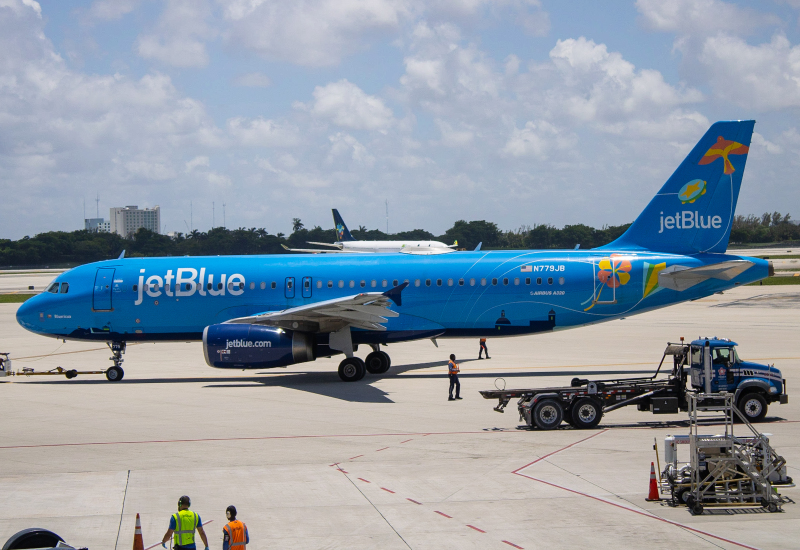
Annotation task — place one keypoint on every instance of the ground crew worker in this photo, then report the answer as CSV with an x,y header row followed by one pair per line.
x,y
182,525
452,371
483,349
234,534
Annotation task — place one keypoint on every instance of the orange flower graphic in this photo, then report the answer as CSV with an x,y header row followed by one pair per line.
x,y
614,271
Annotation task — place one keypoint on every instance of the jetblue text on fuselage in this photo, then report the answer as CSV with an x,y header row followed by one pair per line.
x,y
689,220
187,281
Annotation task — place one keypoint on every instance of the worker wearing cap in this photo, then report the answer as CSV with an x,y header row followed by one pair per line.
x,y
452,371
182,526
483,349
234,534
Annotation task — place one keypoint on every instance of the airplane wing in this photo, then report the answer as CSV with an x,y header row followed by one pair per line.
x,y
367,311
680,278
334,245
316,250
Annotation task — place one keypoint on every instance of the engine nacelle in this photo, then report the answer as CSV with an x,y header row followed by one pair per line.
x,y
255,346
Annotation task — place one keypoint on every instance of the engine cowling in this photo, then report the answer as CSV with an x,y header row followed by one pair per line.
x,y
255,346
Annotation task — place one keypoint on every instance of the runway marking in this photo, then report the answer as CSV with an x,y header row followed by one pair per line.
x,y
443,514
387,490
263,438
473,527
512,544
364,480
379,450
414,501
639,512
354,457
406,441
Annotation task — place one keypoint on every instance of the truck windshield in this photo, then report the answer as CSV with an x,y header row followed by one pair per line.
x,y
696,354
722,355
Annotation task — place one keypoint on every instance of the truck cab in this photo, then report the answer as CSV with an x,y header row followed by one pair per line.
x,y
754,385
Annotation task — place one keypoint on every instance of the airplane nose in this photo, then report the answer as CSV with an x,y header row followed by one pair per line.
x,y
27,312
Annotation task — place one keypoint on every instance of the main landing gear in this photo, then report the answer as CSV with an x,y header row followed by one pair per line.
x,y
115,373
352,369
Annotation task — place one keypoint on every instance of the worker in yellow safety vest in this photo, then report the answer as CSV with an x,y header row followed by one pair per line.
x,y
234,534
452,371
182,526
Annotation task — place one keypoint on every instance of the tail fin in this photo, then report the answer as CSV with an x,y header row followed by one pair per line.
x,y
693,212
342,233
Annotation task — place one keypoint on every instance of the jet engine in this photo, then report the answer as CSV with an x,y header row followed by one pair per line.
x,y
255,346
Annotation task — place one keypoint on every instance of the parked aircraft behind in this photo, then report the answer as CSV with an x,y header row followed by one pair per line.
x,y
346,243
270,311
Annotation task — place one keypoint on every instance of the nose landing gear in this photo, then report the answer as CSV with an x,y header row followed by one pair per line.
x,y
115,373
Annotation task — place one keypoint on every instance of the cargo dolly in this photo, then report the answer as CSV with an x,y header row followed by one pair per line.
x,y
706,363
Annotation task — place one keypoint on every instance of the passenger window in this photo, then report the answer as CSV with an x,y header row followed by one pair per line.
x,y
516,280
549,280
168,287
290,283
363,284
208,286
146,287
189,286
416,282
427,282
341,284
527,280
135,288
395,283
461,282
561,280
241,286
319,284
274,284
252,286
538,280
449,282
155,287
64,288
219,286
352,284
384,283
438,282
230,286
263,285
483,282
505,281
494,281
330,284
373,283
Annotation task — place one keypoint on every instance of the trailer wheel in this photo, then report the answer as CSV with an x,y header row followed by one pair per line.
x,y
753,406
548,414
586,413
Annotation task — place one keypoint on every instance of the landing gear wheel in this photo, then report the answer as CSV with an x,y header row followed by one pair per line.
x,y
586,413
548,414
352,369
377,362
115,374
34,537
753,406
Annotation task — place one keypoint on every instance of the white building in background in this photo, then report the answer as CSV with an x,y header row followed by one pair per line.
x,y
125,221
97,225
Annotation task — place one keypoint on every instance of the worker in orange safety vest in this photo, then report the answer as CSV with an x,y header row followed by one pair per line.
x,y
483,349
452,371
234,534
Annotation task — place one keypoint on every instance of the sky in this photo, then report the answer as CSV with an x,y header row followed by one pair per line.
x,y
519,112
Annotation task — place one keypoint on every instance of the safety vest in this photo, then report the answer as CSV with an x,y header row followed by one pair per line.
x,y
452,367
237,534
185,523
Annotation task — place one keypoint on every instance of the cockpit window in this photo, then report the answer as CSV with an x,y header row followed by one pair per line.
x,y
64,288
722,355
52,288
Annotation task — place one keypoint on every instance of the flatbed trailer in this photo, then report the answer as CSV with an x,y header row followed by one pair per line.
x,y
584,402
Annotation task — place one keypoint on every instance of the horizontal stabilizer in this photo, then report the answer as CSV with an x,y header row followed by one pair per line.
x,y
680,278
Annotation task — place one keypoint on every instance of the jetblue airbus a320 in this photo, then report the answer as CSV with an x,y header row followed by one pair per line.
x,y
270,311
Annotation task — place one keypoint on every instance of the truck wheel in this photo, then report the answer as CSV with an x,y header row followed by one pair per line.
x,y
753,406
34,537
377,362
352,369
547,414
586,413
114,374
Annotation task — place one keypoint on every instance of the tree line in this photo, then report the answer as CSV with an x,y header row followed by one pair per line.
x,y
61,248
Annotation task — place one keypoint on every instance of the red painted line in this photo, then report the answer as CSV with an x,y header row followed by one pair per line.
x,y
559,450
264,438
354,457
414,501
344,471
364,480
514,545
406,441
335,464
379,450
473,527
387,490
443,514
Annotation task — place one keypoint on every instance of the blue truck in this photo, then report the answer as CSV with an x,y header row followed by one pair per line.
x,y
708,364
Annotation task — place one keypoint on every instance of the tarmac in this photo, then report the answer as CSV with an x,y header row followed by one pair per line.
x,y
387,462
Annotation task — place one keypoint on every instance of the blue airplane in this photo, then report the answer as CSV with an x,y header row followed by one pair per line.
x,y
270,311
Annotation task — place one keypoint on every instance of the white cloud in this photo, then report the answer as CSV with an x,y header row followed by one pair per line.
x,y
346,105
704,17
253,80
345,144
109,10
538,139
452,137
22,7
179,36
198,162
261,132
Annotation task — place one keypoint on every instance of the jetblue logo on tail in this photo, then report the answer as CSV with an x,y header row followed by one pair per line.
x,y
689,220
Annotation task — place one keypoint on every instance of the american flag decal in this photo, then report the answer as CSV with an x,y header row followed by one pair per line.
x,y
526,268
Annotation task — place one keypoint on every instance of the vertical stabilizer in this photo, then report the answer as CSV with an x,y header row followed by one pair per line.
x,y
342,233
694,210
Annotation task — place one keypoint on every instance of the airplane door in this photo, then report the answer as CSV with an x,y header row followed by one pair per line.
x,y
306,287
288,288
101,297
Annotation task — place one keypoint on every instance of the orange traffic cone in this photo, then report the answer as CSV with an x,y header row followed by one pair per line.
x,y
138,543
653,485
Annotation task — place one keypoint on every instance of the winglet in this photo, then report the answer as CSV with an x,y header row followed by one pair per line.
x,y
122,255
479,246
394,294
